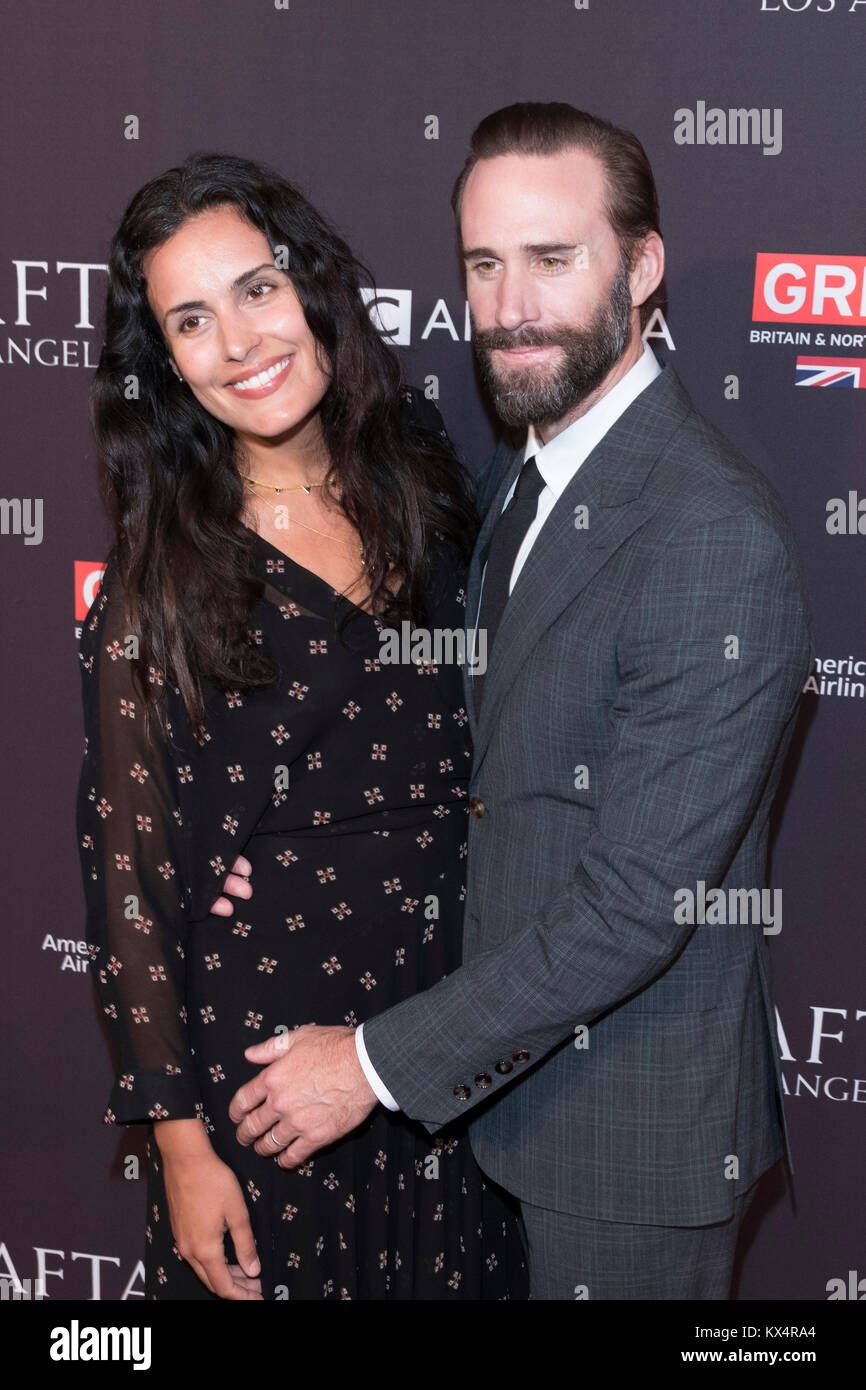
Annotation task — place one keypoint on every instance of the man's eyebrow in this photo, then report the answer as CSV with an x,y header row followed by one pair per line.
x,y
529,249
550,248
237,284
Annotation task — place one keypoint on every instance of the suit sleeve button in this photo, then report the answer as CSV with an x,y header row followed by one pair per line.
x,y
521,1056
476,806
462,1092
504,1067
482,1081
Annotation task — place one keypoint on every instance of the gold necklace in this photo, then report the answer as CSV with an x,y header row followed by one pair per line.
x,y
295,522
305,487
296,487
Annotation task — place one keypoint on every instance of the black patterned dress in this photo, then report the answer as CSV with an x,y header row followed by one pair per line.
x,y
345,785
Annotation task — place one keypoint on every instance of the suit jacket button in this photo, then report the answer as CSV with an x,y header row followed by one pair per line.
x,y
483,1081
521,1056
504,1067
462,1092
476,806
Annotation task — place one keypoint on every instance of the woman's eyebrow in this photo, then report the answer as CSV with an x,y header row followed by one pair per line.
x,y
237,284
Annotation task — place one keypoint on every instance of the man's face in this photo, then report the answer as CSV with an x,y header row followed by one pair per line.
x,y
547,287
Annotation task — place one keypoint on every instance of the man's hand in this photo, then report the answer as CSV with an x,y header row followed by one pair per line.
x,y
238,887
312,1093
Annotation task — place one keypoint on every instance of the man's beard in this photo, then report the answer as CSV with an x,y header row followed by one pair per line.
x,y
524,396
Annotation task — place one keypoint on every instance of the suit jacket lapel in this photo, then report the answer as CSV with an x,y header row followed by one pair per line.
x,y
610,484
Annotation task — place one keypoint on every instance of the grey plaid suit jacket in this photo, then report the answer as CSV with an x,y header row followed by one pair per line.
x,y
615,654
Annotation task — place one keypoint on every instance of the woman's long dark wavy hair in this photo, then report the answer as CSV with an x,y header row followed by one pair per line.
x,y
171,483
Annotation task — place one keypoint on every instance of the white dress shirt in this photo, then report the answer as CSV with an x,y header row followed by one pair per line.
x,y
557,462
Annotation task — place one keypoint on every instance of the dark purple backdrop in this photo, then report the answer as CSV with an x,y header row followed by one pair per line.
x,y
338,96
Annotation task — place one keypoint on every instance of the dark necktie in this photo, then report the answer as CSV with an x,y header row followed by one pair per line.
x,y
505,541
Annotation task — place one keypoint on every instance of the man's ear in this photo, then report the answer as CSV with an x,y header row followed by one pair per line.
x,y
648,268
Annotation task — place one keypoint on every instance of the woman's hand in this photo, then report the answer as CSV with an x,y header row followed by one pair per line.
x,y
236,884
205,1201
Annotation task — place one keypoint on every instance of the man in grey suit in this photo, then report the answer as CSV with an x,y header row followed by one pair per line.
x,y
610,1031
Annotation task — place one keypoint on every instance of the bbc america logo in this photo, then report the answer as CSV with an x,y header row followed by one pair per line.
x,y
391,313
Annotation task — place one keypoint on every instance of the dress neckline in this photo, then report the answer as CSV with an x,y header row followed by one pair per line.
x,y
302,570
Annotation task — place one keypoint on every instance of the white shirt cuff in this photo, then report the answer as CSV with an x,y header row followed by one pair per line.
x,y
382,1092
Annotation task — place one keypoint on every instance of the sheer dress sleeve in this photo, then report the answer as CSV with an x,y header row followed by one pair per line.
x,y
130,837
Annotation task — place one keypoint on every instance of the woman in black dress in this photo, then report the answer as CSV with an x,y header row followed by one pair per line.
x,y
278,501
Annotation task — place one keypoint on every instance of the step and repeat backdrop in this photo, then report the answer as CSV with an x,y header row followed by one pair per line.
x,y
751,113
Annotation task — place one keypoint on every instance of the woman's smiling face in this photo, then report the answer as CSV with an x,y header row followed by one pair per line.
x,y
234,326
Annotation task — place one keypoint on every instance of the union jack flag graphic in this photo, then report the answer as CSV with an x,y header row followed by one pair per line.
x,y
831,371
